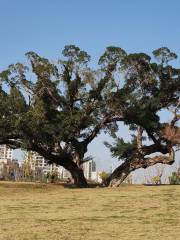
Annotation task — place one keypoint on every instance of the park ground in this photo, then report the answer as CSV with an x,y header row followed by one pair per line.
x,y
41,211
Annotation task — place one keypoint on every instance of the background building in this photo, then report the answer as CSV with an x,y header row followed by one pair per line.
x,y
6,156
9,167
40,165
90,172
5,153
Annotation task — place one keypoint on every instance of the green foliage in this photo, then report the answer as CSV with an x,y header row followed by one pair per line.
x,y
112,56
57,108
156,180
74,54
175,177
103,175
52,176
164,55
121,149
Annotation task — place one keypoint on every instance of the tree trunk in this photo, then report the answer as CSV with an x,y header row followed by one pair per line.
x,y
77,174
119,175
136,162
65,160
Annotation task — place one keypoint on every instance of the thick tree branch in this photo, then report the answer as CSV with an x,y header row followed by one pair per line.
x,y
100,126
138,160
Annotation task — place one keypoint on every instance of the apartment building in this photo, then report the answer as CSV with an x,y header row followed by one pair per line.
x,y
39,163
89,169
5,154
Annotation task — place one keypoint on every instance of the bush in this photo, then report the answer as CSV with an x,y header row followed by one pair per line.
x,y
156,180
175,177
51,177
103,175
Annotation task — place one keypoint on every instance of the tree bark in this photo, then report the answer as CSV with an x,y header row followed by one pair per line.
x,y
77,174
137,161
119,175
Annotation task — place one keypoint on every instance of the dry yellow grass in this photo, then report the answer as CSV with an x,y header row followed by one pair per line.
x,y
32,211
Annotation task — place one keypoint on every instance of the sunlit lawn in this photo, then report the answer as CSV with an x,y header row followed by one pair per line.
x,y
37,211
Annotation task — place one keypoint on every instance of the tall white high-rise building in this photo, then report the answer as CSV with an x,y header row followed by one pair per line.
x,y
5,154
89,169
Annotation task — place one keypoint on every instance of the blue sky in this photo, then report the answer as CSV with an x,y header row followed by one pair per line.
x,y
46,26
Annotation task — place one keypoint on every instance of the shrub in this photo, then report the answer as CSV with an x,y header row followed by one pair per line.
x,y
175,177
156,180
103,175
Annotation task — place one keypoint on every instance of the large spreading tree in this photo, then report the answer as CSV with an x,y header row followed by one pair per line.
x,y
58,108
148,88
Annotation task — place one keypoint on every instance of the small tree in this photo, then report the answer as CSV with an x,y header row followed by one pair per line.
x,y
156,180
51,176
103,175
54,176
175,177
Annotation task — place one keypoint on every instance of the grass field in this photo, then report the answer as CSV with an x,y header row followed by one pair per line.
x,y
37,211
